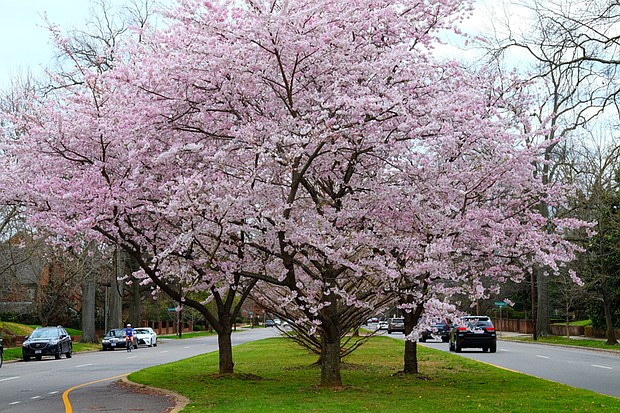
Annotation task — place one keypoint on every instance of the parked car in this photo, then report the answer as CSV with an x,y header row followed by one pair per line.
x,y
270,323
146,336
396,324
439,331
115,338
382,325
1,351
473,332
47,341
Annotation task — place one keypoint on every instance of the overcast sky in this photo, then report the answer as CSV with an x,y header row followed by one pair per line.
x,y
24,40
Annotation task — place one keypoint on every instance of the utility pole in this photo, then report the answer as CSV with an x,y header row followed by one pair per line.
x,y
533,290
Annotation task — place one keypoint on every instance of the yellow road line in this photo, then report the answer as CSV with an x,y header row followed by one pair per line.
x,y
65,395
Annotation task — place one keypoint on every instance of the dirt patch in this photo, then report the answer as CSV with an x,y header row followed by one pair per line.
x,y
417,376
238,376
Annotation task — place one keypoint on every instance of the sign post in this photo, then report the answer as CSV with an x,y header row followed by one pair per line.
x,y
500,304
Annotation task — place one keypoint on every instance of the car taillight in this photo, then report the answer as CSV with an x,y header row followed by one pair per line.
x,y
490,328
462,328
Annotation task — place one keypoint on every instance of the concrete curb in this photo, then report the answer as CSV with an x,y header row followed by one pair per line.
x,y
179,401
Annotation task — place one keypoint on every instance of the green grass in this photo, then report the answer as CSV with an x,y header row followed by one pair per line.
x,y
580,323
12,353
273,375
15,328
574,342
189,335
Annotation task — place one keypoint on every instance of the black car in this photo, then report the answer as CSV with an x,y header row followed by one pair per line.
x,y
396,324
473,332
115,338
1,351
440,330
47,341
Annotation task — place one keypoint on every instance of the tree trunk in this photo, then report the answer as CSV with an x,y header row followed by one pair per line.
x,y
224,341
543,319
610,332
411,357
330,347
330,361
533,299
136,303
411,347
89,334
115,319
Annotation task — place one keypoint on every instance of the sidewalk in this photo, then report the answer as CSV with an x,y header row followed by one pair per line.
x,y
509,334
123,396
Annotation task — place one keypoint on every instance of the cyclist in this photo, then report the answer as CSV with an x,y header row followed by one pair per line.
x,y
129,337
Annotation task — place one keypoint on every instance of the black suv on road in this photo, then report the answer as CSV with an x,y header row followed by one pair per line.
x,y
47,341
473,332
440,330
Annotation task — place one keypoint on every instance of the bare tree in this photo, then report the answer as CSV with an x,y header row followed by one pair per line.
x,y
601,202
350,318
573,68
94,46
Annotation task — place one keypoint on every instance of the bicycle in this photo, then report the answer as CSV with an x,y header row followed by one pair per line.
x,y
128,343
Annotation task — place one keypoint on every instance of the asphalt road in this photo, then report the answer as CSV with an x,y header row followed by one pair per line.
x,y
598,371
88,380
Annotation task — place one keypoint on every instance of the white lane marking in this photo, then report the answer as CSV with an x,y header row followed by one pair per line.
x,y
11,404
35,397
83,365
162,352
10,378
503,349
53,392
187,347
602,367
132,357
542,357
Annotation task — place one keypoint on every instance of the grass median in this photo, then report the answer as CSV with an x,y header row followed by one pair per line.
x,y
567,341
274,375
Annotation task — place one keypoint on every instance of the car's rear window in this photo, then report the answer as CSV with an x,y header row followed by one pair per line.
x,y
479,323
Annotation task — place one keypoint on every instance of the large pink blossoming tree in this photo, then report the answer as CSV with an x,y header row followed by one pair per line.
x,y
463,216
314,146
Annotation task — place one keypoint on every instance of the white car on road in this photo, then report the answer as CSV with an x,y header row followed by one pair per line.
x,y
146,336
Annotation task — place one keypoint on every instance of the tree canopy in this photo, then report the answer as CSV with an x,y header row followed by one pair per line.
x,y
315,146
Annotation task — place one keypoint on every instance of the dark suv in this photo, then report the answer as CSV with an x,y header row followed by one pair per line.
x,y
47,341
396,324
439,330
473,332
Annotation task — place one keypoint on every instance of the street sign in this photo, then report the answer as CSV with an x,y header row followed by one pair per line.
x,y
500,304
